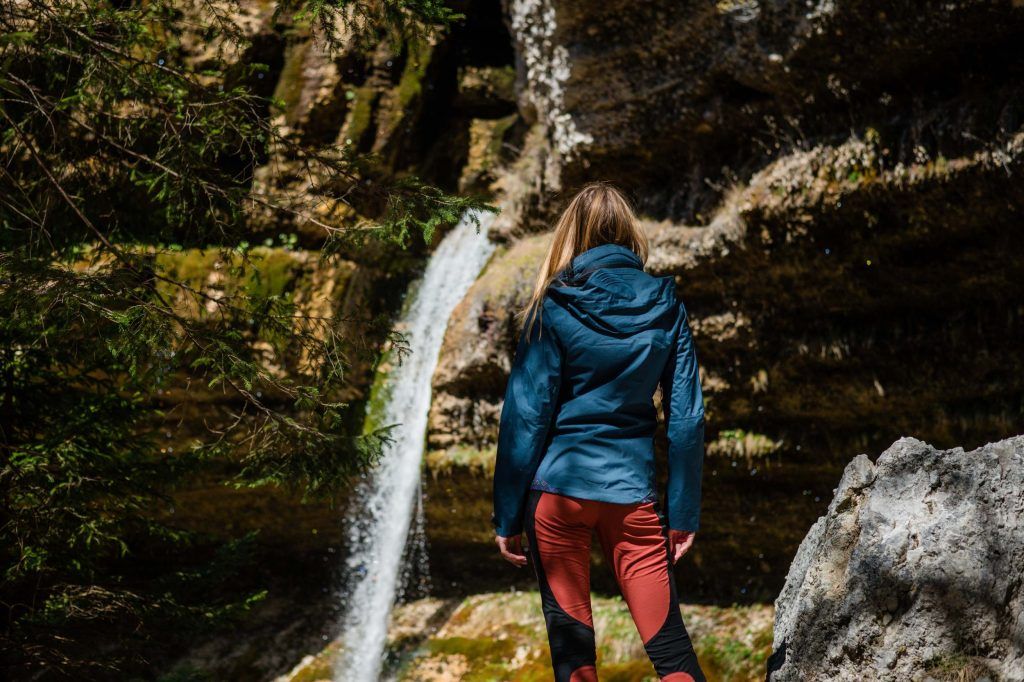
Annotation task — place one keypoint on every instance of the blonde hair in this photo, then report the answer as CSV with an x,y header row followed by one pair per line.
x,y
599,214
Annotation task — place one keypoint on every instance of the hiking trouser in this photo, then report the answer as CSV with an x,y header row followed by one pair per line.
x,y
634,539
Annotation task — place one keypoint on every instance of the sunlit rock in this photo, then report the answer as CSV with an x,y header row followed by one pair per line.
x,y
914,571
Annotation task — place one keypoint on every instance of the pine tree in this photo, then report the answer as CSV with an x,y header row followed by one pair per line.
x,y
115,153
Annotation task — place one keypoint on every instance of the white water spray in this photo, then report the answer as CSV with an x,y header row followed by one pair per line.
x,y
378,528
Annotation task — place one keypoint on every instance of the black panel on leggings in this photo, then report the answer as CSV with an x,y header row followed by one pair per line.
x,y
670,649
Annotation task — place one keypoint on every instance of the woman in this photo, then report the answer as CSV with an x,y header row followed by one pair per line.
x,y
575,442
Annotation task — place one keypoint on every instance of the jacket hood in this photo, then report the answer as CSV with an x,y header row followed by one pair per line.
x,y
606,289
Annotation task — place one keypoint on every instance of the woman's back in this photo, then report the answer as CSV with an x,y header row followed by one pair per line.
x,y
615,326
578,417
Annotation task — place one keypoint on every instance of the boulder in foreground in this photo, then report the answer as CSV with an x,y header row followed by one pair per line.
x,y
916,571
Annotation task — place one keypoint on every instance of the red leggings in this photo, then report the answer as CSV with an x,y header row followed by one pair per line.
x,y
634,538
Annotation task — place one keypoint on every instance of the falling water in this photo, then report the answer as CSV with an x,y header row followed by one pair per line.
x,y
378,527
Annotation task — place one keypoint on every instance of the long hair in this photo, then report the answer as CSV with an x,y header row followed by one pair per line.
x,y
599,214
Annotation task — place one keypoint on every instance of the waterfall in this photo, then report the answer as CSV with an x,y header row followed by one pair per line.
x,y
378,526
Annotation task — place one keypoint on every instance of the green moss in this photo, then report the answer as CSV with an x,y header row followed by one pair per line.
x,y
380,390
360,120
489,658
510,270
380,393
729,658
538,670
476,649
498,133
488,82
957,667
271,272
291,83
462,614
191,267
443,462
497,256
503,80
732,642
487,139
630,671
394,108
410,86
319,669
747,445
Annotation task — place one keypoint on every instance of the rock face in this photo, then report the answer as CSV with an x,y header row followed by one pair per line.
x,y
915,571
478,345
663,94
834,186
440,107
824,297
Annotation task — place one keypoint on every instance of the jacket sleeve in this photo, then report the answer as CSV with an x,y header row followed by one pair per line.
x,y
531,398
683,405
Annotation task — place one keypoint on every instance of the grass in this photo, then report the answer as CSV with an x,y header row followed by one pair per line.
x,y
957,667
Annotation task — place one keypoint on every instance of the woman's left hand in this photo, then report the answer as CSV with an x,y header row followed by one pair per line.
x,y
680,541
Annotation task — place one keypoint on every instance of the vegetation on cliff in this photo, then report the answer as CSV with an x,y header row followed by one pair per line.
x,y
127,276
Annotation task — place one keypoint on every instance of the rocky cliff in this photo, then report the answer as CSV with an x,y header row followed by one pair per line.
x,y
914,572
834,187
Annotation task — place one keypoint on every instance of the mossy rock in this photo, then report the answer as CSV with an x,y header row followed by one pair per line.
x,y
266,271
487,138
501,636
359,130
487,90
291,83
444,462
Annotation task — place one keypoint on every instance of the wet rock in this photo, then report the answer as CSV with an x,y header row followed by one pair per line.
x,y
915,570
476,355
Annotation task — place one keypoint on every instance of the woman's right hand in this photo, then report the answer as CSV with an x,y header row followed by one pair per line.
x,y
680,542
511,549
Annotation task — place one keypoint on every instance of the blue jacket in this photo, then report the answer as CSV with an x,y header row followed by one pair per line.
x,y
579,417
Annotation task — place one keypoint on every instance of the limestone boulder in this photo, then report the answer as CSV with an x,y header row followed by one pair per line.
x,y
915,572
